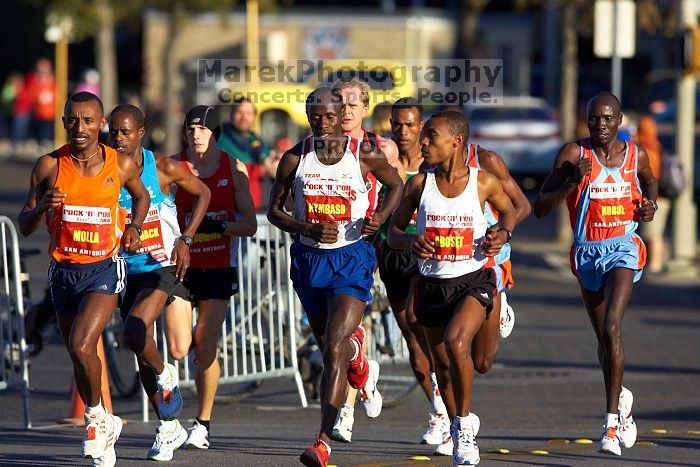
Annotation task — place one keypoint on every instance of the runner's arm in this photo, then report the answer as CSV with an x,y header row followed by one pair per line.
x,y
246,225
140,199
397,237
650,187
567,172
173,172
496,235
376,162
492,163
40,198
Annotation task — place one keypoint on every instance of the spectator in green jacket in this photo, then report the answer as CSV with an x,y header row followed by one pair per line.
x,y
240,141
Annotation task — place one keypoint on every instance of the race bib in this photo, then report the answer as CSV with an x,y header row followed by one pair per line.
x,y
85,230
151,235
452,236
610,208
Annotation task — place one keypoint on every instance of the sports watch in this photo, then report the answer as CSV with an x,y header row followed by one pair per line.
x,y
510,234
187,239
136,227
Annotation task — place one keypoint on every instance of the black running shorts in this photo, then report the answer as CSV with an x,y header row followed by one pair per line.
x,y
160,279
397,268
210,284
437,299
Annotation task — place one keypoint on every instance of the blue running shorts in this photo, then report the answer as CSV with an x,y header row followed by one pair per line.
x,y
592,261
70,282
318,274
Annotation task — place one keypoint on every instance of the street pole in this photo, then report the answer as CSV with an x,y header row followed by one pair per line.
x,y
61,76
684,209
616,60
252,35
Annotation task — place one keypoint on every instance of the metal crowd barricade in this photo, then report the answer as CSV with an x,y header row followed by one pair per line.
x,y
259,336
14,370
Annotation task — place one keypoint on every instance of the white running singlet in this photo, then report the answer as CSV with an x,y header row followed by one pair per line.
x,y
455,226
331,193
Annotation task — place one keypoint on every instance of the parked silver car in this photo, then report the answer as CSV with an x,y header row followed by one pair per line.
x,y
522,130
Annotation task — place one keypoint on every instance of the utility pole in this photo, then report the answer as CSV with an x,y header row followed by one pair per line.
x,y
684,208
59,31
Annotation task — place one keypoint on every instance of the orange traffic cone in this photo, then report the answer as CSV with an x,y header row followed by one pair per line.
x,y
77,409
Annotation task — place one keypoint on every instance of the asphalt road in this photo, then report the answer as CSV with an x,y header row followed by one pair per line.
x,y
545,392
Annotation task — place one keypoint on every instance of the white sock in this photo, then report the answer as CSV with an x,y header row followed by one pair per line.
x,y
164,377
438,404
611,419
348,408
463,422
95,413
167,425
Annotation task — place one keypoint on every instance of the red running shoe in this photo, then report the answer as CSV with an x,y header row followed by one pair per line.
x,y
317,455
358,371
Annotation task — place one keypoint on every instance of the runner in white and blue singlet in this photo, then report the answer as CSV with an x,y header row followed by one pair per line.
x,y
156,270
332,263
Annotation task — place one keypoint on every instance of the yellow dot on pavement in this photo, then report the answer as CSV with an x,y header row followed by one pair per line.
x,y
540,452
694,432
420,458
644,443
501,451
559,441
583,441
659,431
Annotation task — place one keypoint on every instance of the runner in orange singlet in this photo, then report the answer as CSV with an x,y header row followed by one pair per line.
x,y
76,188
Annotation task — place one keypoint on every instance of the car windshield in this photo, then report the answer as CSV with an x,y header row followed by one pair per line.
x,y
496,113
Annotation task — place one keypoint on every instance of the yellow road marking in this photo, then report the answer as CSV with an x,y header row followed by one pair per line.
x,y
583,441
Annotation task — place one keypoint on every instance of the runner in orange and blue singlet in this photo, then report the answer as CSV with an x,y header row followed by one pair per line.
x,y
603,217
76,188
608,187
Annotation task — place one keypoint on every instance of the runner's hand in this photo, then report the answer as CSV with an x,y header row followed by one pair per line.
x,y
371,225
53,198
645,211
422,247
324,232
181,258
582,169
131,240
494,241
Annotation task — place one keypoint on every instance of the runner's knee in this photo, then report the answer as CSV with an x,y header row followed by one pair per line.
x,y
135,334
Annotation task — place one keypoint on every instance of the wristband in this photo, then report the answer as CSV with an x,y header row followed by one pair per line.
x,y
510,234
136,227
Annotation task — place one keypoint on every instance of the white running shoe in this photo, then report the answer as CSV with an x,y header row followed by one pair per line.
x,y
507,317
342,431
108,459
446,447
438,427
371,399
170,404
610,441
99,435
466,452
170,435
198,437
627,430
